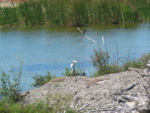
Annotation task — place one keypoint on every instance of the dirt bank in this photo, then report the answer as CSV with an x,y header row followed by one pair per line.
x,y
124,92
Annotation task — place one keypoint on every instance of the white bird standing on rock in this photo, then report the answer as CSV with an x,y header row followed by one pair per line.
x,y
73,64
148,65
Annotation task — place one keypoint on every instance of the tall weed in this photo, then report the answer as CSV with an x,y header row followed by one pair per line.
x,y
101,61
10,85
9,17
75,12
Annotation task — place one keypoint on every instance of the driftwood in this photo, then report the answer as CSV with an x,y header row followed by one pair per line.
x,y
130,103
86,36
130,87
87,105
143,74
124,110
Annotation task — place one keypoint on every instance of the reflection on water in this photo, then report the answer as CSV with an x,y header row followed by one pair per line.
x,y
43,49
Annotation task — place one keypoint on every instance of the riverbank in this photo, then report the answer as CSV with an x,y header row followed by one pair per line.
x,y
120,92
74,13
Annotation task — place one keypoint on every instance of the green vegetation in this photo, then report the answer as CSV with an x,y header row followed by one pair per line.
x,y
40,106
134,63
40,80
10,85
55,13
76,72
105,65
10,95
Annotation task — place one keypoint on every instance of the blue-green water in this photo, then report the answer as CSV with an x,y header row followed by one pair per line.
x,y
52,49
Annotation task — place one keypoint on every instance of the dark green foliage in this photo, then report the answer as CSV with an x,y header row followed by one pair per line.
x,y
75,12
76,72
8,17
79,13
42,79
67,72
55,12
31,13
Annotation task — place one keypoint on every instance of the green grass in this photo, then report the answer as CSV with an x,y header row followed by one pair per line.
x,y
38,107
9,17
57,13
103,63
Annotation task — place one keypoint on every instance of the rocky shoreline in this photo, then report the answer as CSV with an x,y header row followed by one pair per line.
x,y
125,92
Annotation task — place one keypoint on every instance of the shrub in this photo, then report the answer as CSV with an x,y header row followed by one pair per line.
x,y
76,72
41,80
134,64
67,72
101,61
10,85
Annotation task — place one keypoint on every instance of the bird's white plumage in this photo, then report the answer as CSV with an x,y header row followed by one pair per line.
x,y
103,38
73,63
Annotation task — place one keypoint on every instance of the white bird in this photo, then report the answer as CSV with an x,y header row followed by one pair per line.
x,y
73,64
103,39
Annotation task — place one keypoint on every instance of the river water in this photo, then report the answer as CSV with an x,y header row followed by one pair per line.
x,y
52,49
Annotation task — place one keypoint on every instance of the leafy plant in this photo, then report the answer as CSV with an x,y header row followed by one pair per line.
x,y
75,72
104,65
42,79
10,85
100,61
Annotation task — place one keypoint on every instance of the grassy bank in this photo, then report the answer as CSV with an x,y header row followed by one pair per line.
x,y
75,13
